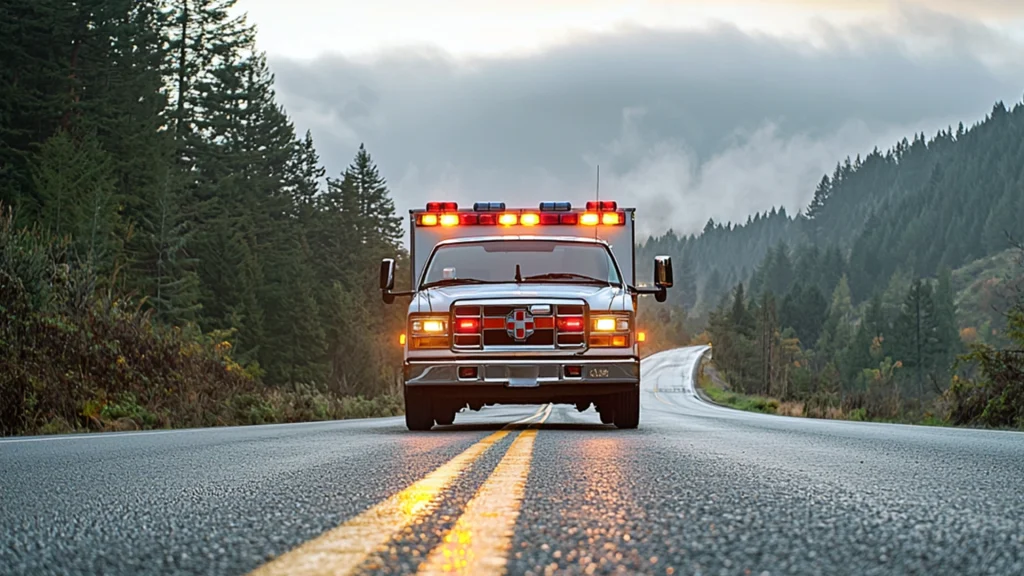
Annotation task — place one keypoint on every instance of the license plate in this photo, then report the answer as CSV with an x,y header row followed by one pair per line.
x,y
523,376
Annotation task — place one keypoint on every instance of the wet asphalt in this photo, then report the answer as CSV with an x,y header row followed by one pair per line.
x,y
697,489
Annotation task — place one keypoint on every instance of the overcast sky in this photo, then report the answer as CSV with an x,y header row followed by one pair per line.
x,y
693,109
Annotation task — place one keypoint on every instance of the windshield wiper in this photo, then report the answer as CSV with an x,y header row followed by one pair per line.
x,y
566,276
455,281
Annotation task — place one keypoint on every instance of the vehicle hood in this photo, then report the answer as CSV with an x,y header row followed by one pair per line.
x,y
597,297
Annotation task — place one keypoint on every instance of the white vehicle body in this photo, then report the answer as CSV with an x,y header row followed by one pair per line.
x,y
479,334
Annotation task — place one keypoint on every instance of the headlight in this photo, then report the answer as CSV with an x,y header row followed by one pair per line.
x,y
429,327
610,330
426,332
611,324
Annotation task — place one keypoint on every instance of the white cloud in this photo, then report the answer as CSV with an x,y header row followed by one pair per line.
x,y
686,125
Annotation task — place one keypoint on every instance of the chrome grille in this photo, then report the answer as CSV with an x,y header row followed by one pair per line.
x,y
550,330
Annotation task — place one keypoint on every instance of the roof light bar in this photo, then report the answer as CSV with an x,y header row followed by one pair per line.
x,y
489,207
551,214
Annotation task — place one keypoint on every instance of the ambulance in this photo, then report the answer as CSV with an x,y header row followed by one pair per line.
x,y
522,306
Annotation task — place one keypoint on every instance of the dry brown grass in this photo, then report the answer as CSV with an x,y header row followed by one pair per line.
x,y
791,409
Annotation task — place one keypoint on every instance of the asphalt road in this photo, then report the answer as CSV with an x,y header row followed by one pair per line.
x,y
697,489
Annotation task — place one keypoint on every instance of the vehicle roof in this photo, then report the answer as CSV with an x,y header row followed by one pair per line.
x,y
464,240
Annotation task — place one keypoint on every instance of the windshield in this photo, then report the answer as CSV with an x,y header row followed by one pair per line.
x,y
538,260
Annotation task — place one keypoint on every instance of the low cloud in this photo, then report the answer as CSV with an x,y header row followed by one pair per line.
x,y
685,125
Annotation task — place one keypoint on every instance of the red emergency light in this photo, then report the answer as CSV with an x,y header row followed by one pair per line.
x,y
602,206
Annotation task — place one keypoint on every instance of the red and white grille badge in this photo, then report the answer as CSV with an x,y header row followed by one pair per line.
x,y
519,324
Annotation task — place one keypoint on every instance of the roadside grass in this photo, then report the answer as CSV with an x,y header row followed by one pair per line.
x,y
717,392
740,401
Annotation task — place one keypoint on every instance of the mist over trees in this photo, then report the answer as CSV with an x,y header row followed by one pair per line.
x,y
922,205
852,304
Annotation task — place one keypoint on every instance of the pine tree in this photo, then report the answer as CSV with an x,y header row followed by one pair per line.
x,y
73,178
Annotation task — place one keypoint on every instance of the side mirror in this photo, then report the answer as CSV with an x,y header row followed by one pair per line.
x,y
663,271
662,276
387,274
387,279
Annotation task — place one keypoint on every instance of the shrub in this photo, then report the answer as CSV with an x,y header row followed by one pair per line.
x,y
75,357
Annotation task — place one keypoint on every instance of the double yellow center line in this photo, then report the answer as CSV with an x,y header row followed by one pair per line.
x,y
479,541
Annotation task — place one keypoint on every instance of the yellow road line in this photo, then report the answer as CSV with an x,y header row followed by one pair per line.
x,y
341,550
482,537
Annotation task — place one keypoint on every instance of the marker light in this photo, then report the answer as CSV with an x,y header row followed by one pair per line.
x,y
555,206
547,218
401,339
570,323
604,324
488,219
467,326
442,206
603,206
589,219
529,219
641,336
428,219
508,219
607,218
468,218
453,219
573,218
489,207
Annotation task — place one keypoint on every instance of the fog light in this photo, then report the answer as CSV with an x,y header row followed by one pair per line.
x,y
467,372
573,371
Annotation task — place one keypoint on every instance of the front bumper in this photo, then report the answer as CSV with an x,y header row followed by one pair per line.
x,y
523,372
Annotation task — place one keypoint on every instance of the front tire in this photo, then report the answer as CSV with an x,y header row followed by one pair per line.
x,y
627,409
418,412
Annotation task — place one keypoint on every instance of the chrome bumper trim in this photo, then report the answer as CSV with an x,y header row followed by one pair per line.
x,y
546,372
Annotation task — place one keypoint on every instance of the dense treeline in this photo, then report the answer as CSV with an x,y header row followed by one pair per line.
x,y
794,333
799,337
921,206
144,137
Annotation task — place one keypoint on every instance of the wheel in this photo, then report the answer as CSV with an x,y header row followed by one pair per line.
x,y
607,412
445,415
418,413
627,409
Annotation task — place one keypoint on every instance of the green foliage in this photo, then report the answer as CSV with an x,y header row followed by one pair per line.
x,y
886,359
148,155
994,394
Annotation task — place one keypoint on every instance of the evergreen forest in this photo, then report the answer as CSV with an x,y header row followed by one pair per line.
x,y
172,252
894,295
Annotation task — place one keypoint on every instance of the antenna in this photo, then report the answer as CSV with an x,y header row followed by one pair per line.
x,y
598,195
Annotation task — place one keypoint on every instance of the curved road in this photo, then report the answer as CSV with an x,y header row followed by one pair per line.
x,y
697,489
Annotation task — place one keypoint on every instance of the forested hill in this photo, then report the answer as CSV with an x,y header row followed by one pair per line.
x,y
168,245
922,205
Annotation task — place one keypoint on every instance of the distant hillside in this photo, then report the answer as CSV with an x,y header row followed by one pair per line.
x,y
922,205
